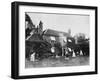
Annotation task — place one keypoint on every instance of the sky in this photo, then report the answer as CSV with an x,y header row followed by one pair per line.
x,y
62,22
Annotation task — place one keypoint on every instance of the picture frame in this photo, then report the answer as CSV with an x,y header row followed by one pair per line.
x,y
28,11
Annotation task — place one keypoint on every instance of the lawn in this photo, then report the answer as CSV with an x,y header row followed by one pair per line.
x,y
58,62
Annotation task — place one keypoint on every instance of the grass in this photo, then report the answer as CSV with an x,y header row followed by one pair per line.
x,y
58,62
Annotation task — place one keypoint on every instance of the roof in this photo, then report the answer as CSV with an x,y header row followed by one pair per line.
x,y
35,37
55,33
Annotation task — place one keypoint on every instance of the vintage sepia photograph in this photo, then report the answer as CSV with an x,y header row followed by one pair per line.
x,y
56,40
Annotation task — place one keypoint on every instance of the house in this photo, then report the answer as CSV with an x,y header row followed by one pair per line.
x,y
53,36
31,31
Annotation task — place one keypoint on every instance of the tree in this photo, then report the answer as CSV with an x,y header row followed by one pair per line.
x,y
80,37
28,25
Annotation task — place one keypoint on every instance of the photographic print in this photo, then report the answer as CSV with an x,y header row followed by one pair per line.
x,y
56,40
50,40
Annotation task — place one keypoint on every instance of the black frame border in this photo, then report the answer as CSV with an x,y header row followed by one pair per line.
x,y
15,39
